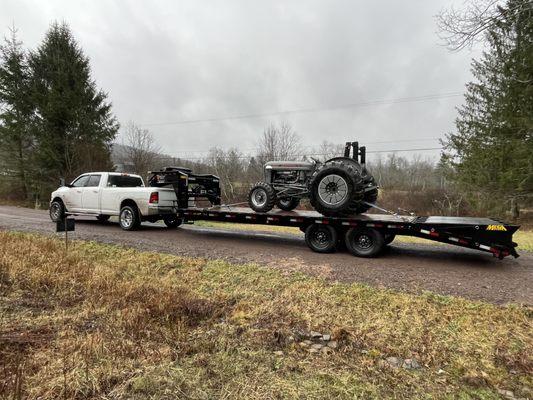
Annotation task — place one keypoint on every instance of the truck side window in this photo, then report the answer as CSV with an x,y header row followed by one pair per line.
x,y
124,181
94,181
81,181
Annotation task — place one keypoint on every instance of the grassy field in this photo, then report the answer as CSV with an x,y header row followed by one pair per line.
x,y
109,322
524,238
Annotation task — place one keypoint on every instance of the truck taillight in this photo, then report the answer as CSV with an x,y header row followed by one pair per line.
x,y
154,198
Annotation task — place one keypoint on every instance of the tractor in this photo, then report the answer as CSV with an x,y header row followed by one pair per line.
x,y
341,186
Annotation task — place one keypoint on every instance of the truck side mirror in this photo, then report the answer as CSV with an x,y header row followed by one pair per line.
x,y
61,182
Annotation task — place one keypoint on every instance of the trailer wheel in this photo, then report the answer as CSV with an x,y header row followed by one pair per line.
x,y
129,218
262,197
388,238
103,218
57,210
321,238
365,242
172,221
288,204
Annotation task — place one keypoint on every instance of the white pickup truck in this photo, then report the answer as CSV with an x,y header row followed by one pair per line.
x,y
106,194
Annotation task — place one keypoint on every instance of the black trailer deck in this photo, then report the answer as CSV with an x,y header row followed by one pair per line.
x,y
366,234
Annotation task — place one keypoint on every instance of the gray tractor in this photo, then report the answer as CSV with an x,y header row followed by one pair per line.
x,y
340,186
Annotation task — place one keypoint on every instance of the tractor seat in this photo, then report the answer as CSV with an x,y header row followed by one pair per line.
x,y
290,165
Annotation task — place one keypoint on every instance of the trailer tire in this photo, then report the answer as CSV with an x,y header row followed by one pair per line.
x,y
388,238
129,218
172,221
321,238
288,204
262,197
103,218
57,210
365,242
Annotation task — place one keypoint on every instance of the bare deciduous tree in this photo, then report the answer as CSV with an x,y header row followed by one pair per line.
x,y
279,143
460,28
140,149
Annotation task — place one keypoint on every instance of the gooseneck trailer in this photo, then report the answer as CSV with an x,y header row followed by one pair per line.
x,y
365,235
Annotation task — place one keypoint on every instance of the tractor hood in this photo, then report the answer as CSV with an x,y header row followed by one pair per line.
x,y
290,165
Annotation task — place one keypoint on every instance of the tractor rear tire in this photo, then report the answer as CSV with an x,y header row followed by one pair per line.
x,y
288,204
262,197
333,188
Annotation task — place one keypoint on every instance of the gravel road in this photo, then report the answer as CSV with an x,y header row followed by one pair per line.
x,y
409,267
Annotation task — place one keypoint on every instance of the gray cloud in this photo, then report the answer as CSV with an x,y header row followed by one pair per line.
x,y
169,61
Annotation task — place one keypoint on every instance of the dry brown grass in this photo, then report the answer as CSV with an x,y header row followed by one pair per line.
x,y
107,322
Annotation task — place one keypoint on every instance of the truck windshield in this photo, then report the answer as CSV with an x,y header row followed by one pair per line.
x,y
124,181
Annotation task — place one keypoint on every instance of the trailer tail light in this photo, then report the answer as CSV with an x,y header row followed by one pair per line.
x,y
154,198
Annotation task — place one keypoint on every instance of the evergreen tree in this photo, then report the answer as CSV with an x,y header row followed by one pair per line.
x,y
492,150
16,141
73,122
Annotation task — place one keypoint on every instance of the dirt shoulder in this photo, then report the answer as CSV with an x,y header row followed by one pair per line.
x,y
409,267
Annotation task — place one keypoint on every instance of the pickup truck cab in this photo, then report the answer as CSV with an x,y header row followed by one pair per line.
x,y
106,194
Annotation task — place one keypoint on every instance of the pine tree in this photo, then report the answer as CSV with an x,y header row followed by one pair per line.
x,y
492,150
16,140
73,122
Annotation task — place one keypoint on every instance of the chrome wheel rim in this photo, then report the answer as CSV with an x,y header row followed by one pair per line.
x,y
55,211
126,218
332,189
259,197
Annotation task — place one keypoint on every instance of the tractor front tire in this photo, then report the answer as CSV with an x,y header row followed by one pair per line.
x,y
262,197
288,204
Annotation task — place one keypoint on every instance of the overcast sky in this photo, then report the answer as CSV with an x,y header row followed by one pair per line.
x,y
166,62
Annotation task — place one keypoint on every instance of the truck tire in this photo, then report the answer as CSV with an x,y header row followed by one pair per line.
x,y
103,218
262,197
321,238
129,219
364,242
172,221
57,210
288,204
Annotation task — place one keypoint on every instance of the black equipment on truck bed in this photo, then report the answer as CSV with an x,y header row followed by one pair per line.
x,y
365,235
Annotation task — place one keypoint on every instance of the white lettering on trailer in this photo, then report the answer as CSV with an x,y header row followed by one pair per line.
x,y
425,231
482,246
454,239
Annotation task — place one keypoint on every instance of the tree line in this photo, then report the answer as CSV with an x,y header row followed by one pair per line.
x,y
54,121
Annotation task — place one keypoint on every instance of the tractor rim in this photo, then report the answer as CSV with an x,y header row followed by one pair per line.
x,y
126,218
332,189
285,202
259,197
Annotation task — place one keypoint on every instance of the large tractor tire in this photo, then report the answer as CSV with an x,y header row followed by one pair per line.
x,y
262,197
337,188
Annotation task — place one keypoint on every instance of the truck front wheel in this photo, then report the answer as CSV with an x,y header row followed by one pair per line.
x,y
57,210
129,218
